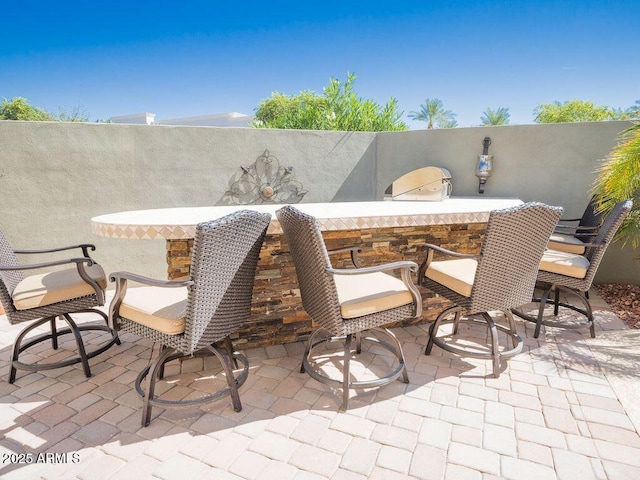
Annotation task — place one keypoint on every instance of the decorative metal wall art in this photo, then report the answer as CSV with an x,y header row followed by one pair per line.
x,y
266,182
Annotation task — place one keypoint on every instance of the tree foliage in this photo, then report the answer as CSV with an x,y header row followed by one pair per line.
x,y
76,114
19,109
573,111
500,116
619,179
432,111
631,113
338,108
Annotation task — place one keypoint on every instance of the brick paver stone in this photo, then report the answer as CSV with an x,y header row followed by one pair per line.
x,y
315,460
393,458
177,466
274,446
516,469
395,436
474,458
572,466
360,456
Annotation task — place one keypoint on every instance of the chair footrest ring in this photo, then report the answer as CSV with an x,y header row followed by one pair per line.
x,y
557,323
507,353
377,382
20,347
159,402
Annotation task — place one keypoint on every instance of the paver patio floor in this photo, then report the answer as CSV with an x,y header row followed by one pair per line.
x,y
565,408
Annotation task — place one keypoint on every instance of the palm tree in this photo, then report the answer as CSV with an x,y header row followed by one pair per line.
x,y
433,112
495,117
619,179
448,123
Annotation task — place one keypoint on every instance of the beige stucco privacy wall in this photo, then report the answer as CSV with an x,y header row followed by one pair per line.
x,y
551,163
57,176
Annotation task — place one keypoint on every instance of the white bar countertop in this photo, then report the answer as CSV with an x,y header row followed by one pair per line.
x,y
179,223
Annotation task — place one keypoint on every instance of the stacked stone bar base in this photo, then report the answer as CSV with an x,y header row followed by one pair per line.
x,y
277,314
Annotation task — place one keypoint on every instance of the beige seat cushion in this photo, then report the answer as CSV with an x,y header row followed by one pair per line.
x,y
53,287
369,293
576,245
162,309
457,275
564,263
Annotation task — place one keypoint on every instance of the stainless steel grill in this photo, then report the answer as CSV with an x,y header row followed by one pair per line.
x,y
426,184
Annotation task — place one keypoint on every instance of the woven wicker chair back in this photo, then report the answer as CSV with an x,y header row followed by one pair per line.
x,y
591,216
606,234
310,257
513,245
10,279
224,260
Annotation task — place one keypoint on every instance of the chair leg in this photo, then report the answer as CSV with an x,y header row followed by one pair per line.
x,y
456,322
512,327
592,327
543,302
556,302
399,354
54,333
307,348
152,377
495,352
81,351
161,369
433,329
358,342
228,371
17,344
346,373
228,345
588,312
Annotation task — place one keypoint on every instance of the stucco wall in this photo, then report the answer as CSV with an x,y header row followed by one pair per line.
x,y
56,176
551,163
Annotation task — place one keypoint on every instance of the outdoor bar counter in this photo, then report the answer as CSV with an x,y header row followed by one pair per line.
x,y
387,231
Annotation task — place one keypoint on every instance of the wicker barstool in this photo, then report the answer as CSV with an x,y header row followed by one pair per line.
x,y
574,273
45,297
571,234
348,302
195,314
500,277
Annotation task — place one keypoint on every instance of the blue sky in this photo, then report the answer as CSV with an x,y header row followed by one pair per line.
x,y
188,58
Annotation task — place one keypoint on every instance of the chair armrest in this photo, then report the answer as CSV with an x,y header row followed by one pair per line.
x,y
405,267
115,276
584,244
122,278
84,246
354,251
431,248
385,267
53,263
80,265
563,220
574,229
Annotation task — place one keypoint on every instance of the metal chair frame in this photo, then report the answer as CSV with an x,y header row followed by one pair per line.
x,y
554,282
320,300
11,273
224,259
505,277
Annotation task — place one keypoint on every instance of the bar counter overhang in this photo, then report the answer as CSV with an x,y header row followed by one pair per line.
x,y
387,231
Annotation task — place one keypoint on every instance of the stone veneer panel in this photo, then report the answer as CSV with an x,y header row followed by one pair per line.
x,y
277,313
